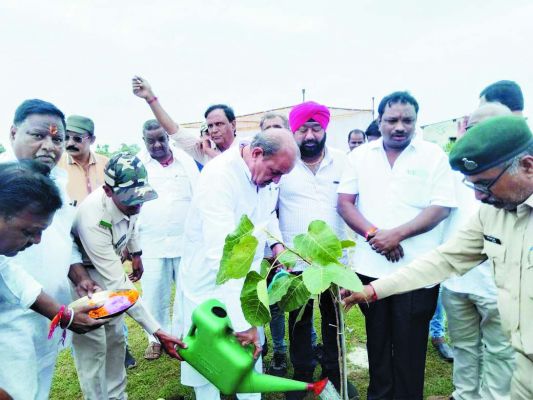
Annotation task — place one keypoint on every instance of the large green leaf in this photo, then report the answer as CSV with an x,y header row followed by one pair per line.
x,y
288,258
317,278
345,278
265,267
296,296
279,288
254,299
238,253
319,245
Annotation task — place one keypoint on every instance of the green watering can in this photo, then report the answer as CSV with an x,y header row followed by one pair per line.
x,y
215,352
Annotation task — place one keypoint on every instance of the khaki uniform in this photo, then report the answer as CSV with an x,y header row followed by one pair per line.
x,y
105,233
506,239
81,181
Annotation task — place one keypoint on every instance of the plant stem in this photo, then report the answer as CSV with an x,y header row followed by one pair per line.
x,y
341,342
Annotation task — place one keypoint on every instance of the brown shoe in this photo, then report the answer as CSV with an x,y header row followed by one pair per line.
x,y
153,351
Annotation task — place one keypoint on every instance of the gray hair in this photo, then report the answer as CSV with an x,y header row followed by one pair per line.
x,y
269,143
151,125
273,140
515,161
271,115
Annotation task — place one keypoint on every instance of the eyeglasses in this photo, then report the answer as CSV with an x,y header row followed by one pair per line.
x,y
76,139
314,127
485,188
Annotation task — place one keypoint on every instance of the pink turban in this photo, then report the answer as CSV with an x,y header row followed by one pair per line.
x,y
302,113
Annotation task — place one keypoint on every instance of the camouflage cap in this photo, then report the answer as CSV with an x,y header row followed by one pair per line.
x,y
81,125
127,176
490,143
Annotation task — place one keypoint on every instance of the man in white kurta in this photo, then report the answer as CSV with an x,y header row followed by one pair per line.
x,y
238,182
38,133
23,342
219,118
173,174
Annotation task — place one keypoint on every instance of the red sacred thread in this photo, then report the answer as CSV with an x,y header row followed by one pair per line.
x,y
55,321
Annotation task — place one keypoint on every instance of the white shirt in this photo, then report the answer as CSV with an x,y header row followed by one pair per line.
x,y
480,280
16,285
305,197
162,220
223,194
389,197
191,143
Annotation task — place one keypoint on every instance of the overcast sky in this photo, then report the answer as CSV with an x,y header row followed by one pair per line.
x,y
257,55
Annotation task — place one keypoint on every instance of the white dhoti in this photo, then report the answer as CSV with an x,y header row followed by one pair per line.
x,y
156,283
28,358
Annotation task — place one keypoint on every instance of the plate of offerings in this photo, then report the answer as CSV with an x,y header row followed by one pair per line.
x,y
111,303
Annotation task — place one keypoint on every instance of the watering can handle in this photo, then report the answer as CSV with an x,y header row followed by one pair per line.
x,y
192,330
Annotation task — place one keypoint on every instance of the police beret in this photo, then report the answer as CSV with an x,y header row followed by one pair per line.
x,y
490,143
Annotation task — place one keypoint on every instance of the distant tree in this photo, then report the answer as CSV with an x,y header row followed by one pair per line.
x,y
124,148
128,148
2,148
103,149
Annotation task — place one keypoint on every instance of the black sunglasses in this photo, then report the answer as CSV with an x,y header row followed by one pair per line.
x,y
76,139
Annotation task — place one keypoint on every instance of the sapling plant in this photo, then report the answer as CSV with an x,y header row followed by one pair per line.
x,y
319,249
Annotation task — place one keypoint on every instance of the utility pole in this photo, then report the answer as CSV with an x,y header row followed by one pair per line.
x,y
303,95
373,118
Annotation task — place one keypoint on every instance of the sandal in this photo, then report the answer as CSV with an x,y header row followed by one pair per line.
x,y
153,351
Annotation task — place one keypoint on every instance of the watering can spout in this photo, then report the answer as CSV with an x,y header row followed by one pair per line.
x,y
262,383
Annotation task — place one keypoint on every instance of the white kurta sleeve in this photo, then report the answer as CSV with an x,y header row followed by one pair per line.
x,y
17,286
216,207
273,228
189,143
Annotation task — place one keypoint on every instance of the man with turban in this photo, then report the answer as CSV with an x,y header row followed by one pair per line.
x,y
308,193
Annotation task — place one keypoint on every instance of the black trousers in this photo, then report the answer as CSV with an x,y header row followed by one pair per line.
x,y
301,349
397,330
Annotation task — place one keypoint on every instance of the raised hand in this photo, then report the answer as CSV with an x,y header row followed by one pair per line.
x,y
141,88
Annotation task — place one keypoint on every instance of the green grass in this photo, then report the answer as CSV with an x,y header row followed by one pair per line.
x,y
160,379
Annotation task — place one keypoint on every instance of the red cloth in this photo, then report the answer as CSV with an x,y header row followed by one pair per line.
x,y
303,112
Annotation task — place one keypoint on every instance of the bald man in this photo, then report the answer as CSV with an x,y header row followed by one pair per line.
x,y
235,183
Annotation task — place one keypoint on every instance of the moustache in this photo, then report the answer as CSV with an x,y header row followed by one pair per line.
x,y
72,148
